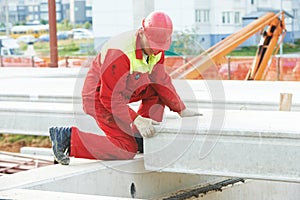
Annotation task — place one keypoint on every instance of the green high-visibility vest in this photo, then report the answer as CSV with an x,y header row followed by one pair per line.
x,y
127,43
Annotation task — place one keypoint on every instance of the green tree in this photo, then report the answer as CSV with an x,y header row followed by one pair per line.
x,y
65,22
87,25
64,25
44,22
20,23
187,42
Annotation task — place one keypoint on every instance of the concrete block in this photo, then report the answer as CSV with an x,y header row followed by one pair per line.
x,y
246,144
125,179
24,194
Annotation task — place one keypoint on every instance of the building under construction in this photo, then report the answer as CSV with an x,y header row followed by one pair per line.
x,y
245,146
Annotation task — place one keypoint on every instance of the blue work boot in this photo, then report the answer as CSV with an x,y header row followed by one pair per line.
x,y
60,138
140,142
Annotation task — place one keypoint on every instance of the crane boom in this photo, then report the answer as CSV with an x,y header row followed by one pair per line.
x,y
216,53
266,49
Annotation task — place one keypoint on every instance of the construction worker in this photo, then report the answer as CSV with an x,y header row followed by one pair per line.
x,y
129,68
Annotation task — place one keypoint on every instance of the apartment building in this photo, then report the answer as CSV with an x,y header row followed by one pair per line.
x,y
16,11
211,20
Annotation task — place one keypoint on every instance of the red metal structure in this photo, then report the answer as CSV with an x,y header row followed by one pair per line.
x,y
52,33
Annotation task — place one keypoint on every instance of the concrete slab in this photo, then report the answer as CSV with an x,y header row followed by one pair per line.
x,y
23,194
28,72
58,90
51,99
64,85
35,118
254,189
36,151
105,178
247,144
248,190
237,95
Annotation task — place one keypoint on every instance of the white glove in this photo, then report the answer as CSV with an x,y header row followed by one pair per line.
x,y
189,113
145,126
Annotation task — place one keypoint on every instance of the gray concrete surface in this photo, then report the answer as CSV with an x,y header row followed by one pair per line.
x,y
246,144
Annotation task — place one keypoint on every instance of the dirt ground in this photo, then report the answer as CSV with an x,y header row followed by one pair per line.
x,y
13,143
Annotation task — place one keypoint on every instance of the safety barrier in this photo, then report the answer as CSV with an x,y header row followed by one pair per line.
x,y
236,68
21,61
231,67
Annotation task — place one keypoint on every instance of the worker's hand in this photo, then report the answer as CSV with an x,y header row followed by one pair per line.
x,y
189,113
145,126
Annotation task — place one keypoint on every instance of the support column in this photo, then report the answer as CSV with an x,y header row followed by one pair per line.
x,y
52,33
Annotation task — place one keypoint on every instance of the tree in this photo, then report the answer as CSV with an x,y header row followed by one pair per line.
x,y
44,22
187,42
66,24
87,25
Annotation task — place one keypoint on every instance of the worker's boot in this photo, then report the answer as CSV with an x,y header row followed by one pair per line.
x,y
60,138
140,142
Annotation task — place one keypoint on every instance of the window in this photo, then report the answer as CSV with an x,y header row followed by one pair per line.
x,y
44,8
58,16
202,15
295,13
197,15
5,52
206,15
44,16
89,13
30,17
226,17
58,7
13,8
237,17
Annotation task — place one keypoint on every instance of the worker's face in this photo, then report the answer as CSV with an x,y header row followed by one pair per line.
x,y
146,47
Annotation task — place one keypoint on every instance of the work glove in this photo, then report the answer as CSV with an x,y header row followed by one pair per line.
x,y
189,113
145,126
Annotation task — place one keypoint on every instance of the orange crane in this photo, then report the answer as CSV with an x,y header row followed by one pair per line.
x,y
215,55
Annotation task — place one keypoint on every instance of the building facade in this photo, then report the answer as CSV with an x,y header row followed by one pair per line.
x,y
32,11
118,16
210,20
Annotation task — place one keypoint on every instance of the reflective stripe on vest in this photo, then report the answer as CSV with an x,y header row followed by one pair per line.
x,y
127,43
137,65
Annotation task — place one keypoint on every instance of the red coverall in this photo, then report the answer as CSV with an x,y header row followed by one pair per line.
x,y
108,89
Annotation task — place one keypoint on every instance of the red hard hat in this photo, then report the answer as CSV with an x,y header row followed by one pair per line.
x,y
158,29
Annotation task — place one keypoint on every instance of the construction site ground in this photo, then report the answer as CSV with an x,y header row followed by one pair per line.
x,y
13,143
